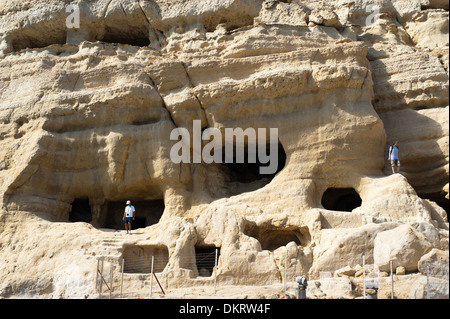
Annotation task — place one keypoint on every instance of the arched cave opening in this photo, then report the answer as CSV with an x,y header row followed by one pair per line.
x,y
148,212
205,259
248,172
138,259
341,199
271,239
80,211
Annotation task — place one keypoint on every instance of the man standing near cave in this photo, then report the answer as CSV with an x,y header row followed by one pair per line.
x,y
394,157
128,216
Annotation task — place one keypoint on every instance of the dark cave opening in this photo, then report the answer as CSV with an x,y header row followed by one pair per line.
x,y
148,212
272,239
205,259
438,198
35,38
80,211
136,35
138,40
248,171
341,199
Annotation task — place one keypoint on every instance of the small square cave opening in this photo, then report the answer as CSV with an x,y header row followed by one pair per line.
x,y
80,211
205,259
138,259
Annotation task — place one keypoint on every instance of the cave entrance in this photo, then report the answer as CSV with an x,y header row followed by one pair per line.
x,y
341,199
128,30
205,259
148,212
35,38
438,198
248,172
136,39
139,222
138,259
80,211
272,239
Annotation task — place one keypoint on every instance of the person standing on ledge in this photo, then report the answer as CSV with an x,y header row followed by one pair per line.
x,y
394,157
128,216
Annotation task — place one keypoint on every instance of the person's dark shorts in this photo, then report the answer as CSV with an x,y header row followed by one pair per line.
x,y
395,162
128,220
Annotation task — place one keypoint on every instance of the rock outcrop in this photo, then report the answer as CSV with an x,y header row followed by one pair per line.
x,y
86,116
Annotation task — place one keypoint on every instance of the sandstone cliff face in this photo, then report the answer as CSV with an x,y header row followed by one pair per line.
x,y
86,115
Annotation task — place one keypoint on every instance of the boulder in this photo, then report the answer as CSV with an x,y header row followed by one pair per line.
x,y
437,261
403,245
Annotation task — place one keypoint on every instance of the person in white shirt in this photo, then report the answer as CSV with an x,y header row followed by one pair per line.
x,y
128,216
